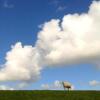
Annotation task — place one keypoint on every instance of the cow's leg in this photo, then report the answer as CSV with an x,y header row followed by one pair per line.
x,y
64,88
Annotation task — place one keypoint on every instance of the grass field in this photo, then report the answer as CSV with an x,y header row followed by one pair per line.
x,y
49,95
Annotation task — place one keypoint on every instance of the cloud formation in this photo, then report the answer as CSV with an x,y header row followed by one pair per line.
x,y
21,64
94,83
61,8
54,86
45,86
4,87
6,4
74,39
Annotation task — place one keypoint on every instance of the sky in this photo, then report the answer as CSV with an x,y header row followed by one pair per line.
x,y
44,42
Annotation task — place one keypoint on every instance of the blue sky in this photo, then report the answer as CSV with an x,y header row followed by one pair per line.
x,y
20,20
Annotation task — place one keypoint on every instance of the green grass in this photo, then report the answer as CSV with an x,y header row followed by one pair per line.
x,y
49,95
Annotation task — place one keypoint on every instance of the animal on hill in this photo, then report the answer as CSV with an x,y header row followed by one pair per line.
x,y
66,85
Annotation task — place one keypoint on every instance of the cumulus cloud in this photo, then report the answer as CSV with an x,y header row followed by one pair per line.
x,y
4,87
57,84
21,64
53,86
74,39
94,83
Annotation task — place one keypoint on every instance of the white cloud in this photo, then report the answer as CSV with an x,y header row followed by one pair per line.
x,y
53,86
72,87
6,4
4,87
21,64
94,83
61,8
75,39
45,87
22,85
57,84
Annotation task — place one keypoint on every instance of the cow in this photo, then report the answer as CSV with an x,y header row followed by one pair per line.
x,y
66,85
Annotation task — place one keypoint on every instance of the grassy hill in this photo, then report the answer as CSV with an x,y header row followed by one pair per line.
x,y
49,95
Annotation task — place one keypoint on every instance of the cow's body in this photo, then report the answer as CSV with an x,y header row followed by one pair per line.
x,y
66,85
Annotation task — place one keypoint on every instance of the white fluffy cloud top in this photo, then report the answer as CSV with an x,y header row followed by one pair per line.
x,y
74,39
